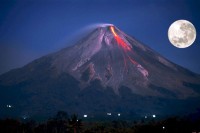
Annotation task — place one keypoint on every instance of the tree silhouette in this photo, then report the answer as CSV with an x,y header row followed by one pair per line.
x,y
28,127
58,124
61,115
10,126
75,123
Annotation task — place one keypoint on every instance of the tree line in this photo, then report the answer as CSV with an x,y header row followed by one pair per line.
x,y
62,123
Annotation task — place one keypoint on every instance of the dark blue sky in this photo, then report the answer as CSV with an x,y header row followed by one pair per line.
x,y
32,28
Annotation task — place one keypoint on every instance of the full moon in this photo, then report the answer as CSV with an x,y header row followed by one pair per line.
x,y
182,33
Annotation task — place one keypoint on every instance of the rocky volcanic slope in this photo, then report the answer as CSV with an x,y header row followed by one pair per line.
x,y
107,71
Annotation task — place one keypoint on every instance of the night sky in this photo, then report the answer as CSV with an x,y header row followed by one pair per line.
x,y
30,29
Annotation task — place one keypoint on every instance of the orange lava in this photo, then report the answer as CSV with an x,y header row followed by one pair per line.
x,y
119,40
126,49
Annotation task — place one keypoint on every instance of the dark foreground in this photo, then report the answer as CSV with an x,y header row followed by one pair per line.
x,y
61,123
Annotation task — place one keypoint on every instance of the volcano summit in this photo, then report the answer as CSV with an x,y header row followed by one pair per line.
x,y
105,55
106,71
116,59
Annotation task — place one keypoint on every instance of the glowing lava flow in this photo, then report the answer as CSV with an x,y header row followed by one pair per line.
x,y
125,53
119,40
124,46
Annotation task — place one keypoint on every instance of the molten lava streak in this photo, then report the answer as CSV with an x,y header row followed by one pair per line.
x,y
124,46
127,50
119,40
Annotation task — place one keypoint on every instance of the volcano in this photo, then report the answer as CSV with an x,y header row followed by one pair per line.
x,y
106,71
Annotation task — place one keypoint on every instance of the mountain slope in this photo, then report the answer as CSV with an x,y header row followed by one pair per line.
x,y
107,71
119,60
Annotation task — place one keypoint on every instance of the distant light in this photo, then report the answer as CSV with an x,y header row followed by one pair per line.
x,y
163,127
9,106
85,116
145,117
118,114
154,116
76,120
109,114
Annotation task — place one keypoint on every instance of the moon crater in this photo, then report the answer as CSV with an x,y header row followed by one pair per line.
x,y
182,33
